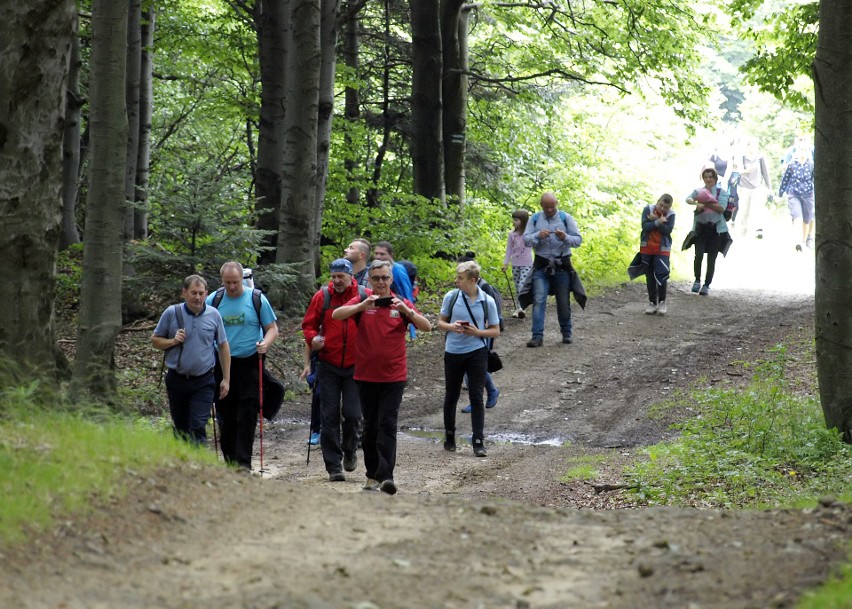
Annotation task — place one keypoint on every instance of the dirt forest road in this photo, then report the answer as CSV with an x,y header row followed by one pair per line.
x,y
467,533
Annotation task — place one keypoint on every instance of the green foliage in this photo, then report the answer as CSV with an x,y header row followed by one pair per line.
x,y
753,447
583,467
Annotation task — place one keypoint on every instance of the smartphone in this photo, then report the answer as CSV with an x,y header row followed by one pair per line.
x,y
383,302
464,323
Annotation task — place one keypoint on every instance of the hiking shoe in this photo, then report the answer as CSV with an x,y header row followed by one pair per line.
x,y
371,485
520,314
491,402
809,242
479,448
661,308
651,309
696,286
567,340
314,438
705,290
467,409
350,461
450,442
535,342
388,486
336,477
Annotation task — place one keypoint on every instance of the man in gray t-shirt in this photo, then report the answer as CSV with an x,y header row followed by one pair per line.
x,y
188,333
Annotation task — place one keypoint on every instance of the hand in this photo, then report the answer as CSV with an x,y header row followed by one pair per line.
x,y
262,347
690,200
305,372
504,268
224,387
180,336
317,343
543,233
560,234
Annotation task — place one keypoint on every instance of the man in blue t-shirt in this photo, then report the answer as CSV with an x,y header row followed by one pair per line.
x,y
249,338
188,333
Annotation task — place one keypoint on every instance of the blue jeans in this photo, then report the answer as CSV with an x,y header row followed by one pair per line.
x,y
541,283
490,388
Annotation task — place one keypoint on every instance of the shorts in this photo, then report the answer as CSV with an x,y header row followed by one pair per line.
x,y
801,206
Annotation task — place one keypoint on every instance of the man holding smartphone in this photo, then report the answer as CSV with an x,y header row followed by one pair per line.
x,y
551,233
381,370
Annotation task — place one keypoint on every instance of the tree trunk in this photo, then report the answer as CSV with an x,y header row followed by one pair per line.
x,y
298,234
352,103
373,192
146,111
454,41
100,295
427,145
36,39
71,145
131,92
273,26
328,49
833,185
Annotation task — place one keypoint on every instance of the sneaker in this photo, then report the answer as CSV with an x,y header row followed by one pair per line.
x,y
491,402
651,309
520,314
705,290
388,486
661,308
809,242
371,485
479,448
450,442
535,342
567,340
467,409
696,286
798,247
336,477
314,438
350,461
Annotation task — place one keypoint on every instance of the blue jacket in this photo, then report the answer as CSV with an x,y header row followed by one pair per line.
x,y
665,230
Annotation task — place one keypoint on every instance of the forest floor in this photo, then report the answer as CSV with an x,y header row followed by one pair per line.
x,y
505,531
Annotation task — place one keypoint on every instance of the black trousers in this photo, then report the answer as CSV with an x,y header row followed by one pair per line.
x,y
380,406
237,412
340,404
707,241
456,365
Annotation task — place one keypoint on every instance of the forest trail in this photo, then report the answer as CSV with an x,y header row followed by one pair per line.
x,y
502,532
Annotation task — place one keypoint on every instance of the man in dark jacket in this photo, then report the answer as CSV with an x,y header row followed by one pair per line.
x,y
334,343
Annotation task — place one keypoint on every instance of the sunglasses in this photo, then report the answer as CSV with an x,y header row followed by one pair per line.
x,y
379,277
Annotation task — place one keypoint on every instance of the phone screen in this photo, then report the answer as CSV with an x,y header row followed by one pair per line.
x,y
464,323
384,302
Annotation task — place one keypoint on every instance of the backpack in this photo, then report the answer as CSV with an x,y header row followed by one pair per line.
x,y
326,298
563,215
255,300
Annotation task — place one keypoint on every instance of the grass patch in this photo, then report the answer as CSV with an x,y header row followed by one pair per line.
x,y
836,593
583,467
754,447
56,462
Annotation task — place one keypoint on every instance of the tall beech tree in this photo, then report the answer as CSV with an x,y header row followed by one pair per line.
x,y
34,63
832,70
100,294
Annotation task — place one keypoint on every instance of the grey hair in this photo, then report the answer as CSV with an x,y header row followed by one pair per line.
x,y
192,279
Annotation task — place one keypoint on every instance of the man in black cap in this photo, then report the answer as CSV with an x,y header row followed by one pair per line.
x,y
334,343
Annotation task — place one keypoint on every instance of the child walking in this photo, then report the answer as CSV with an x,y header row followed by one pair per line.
x,y
654,251
519,255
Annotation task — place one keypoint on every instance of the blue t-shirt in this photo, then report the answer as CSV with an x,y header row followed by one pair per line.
x,y
462,343
241,323
203,332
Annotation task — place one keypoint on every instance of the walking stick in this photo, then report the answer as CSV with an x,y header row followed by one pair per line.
x,y
260,400
310,433
509,281
215,438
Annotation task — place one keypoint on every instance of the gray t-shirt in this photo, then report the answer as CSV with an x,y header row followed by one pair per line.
x,y
203,333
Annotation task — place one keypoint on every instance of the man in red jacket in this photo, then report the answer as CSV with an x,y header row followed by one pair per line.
x,y
334,342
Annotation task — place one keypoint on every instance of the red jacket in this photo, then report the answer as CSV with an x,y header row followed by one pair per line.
x,y
340,335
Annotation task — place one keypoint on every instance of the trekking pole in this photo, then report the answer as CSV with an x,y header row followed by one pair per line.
x,y
512,294
260,400
310,433
215,438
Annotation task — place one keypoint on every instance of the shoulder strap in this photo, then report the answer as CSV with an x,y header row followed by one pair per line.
x,y
217,297
453,304
564,217
179,318
255,300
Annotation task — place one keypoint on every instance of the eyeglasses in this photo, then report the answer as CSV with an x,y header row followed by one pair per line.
x,y
380,277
